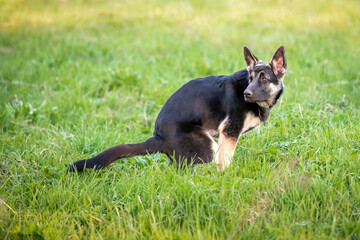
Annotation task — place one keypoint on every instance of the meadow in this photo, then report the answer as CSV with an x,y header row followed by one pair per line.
x,y
77,77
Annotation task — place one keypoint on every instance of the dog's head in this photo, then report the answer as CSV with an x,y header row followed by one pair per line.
x,y
265,79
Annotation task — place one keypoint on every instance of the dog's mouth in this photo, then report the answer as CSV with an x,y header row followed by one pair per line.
x,y
254,100
249,99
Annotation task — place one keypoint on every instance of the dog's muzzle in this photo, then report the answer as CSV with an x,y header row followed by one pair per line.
x,y
248,95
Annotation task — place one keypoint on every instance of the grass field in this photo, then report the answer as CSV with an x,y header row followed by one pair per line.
x,y
77,77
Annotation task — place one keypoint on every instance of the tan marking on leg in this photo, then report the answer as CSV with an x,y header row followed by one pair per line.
x,y
223,124
226,151
214,145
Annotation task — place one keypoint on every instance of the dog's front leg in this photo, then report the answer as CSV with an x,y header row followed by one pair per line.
x,y
226,151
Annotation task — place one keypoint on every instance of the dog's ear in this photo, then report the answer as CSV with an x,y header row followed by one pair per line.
x,y
278,63
250,59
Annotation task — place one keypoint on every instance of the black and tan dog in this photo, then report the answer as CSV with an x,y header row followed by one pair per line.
x,y
224,107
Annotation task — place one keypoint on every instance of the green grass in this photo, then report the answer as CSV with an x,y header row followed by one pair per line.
x,y
77,77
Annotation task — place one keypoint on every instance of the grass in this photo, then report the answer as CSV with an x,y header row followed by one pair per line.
x,y
78,77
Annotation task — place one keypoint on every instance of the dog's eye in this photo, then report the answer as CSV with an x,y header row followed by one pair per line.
x,y
263,77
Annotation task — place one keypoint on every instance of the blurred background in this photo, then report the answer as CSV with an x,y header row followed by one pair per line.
x,y
155,45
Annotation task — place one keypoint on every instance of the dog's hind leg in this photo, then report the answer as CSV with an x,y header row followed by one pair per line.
x,y
193,148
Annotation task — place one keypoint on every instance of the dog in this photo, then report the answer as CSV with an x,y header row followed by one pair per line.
x,y
223,107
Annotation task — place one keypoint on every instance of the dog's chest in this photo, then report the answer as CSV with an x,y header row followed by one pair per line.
x,y
251,121
238,127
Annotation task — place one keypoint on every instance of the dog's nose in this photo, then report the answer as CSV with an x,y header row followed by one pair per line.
x,y
247,93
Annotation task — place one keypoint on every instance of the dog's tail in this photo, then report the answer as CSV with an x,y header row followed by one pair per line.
x,y
152,145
